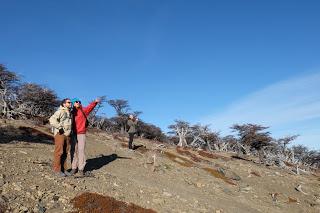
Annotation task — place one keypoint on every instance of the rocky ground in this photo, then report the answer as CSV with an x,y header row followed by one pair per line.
x,y
155,177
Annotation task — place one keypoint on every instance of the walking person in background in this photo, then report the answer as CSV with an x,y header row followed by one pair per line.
x,y
80,124
61,122
132,123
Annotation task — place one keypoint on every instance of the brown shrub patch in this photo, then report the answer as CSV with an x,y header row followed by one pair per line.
x,y
292,200
95,203
180,160
189,154
212,155
255,173
219,175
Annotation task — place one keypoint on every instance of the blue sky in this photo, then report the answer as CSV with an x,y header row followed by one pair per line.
x,y
216,62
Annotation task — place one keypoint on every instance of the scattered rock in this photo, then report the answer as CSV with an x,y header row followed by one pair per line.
x,y
233,176
55,198
274,197
158,201
23,209
245,189
255,173
2,182
17,187
199,185
167,194
299,189
3,203
23,152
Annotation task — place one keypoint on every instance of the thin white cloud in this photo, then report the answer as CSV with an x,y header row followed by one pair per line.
x,y
283,105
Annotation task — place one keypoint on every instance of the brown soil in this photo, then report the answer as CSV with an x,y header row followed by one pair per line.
x,y
216,183
95,203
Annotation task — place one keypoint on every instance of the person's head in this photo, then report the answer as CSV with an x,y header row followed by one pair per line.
x,y
66,103
131,116
76,103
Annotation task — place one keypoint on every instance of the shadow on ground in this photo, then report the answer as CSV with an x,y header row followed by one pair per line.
x,y
99,162
10,134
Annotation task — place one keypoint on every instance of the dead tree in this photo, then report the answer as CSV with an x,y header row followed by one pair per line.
x,y
122,108
8,87
202,136
35,101
283,145
197,131
95,120
252,138
182,130
231,143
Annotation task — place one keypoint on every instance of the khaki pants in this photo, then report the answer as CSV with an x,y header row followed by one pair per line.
x,y
79,159
61,149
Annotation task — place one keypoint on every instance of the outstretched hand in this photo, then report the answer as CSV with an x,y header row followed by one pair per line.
x,y
98,100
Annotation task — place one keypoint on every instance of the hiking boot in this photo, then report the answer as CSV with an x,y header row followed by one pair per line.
x,y
67,173
60,174
80,173
73,171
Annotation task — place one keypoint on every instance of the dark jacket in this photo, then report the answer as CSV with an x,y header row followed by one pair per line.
x,y
132,126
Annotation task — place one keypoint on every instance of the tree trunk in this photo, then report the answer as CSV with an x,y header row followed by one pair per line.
x,y
182,138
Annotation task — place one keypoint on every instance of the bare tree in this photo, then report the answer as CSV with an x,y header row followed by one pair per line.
x,y
122,108
36,101
203,137
93,118
182,129
287,154
150,131
231,143
8,87
285,141
252,137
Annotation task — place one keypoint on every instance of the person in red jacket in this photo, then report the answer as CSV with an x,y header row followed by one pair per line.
x,y
80,124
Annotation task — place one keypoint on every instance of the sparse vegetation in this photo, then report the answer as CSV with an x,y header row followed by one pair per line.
x,y
20,100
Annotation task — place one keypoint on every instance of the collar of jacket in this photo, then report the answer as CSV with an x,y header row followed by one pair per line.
x,y
64,108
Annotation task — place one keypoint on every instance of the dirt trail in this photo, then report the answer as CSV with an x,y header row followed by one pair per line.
x,y
179,180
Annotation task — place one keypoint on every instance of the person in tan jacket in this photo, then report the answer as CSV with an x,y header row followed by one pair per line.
x,y
61,121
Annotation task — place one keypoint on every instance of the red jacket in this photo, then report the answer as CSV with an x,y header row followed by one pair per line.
x,y
79,125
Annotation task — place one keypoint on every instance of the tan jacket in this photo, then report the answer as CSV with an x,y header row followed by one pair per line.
x,y
61,119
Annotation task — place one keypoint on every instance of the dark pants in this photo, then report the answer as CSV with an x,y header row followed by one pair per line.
x,y
131,135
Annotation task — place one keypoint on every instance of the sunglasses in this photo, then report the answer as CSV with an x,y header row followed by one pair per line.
x,y
79,102
68,102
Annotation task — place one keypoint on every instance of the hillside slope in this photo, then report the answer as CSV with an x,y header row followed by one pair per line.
x,y
157,177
